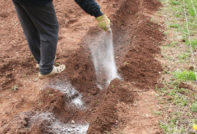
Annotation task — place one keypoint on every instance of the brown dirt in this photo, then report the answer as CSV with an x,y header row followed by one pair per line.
x,y
136,42
184,85
105,115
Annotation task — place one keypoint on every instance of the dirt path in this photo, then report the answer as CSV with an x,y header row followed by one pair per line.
x,y
140,118
72,103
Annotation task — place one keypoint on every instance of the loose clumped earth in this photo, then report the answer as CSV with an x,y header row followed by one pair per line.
x,y
30,105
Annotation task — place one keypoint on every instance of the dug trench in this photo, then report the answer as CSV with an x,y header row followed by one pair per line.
x,y
76,105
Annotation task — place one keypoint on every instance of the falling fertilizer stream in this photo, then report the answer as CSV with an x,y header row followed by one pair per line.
x,y
102,52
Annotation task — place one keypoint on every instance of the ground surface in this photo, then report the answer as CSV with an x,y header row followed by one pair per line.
x,y
29,105
177,95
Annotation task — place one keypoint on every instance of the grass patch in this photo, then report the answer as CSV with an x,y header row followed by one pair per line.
x,y
174,25
194,107
174,2
179,105
171,127
185,75
180,100
184,56
177,108
189,7
193,43
175,96
171,44
157,112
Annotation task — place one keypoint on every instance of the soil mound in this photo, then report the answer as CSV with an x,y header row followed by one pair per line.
x,y
51,100
152,5
105,115
60,104
80,71
139,65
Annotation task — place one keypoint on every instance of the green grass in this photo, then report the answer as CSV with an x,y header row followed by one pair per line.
x,y
174,2
180,100
184,56
157,112
14,88
174,25
193,43
194,107
171,44
175,96
177,7
171,127
179,105
189,7
176,100
185,75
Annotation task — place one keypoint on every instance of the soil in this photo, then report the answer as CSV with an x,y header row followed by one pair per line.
x,y
136,43
105,115
186,86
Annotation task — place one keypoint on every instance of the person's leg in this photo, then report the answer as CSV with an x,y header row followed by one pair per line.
x,y
31,33
45,20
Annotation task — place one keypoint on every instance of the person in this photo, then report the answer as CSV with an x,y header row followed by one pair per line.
x,y
39,22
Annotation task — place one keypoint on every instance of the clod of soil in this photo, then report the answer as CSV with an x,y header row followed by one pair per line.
x,y
4,14
51,100
186,86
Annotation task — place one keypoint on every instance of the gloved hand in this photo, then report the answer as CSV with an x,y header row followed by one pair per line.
x,y
103,22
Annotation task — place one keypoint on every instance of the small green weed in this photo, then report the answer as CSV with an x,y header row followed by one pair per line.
x,y
184,56
180,100
174,25
165,33
15,87
164,126
35,79
193,43
174,2
194,107
157,112
172,44
182,90
126,63
185,75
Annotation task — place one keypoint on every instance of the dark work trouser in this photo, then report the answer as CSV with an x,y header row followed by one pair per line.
x,y
40,26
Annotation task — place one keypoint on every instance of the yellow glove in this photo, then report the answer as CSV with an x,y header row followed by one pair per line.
x,y
103,22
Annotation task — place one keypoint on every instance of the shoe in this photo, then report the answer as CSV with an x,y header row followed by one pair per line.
x,y
56,70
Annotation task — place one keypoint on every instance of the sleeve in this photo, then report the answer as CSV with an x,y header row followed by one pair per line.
x,y
90,6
